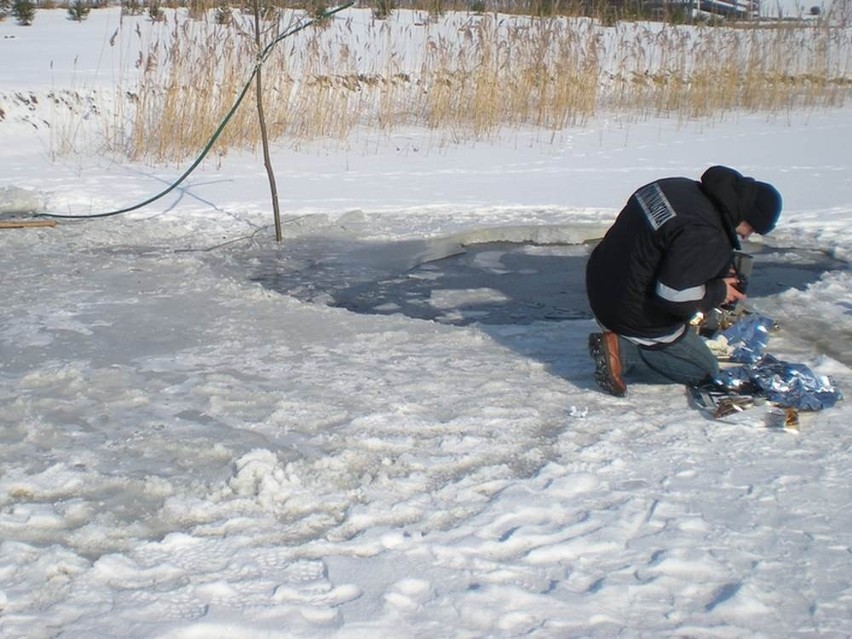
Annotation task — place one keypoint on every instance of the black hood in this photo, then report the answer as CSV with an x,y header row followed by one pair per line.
x,y
732,193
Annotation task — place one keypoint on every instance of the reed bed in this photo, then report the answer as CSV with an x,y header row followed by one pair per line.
x,y
463,75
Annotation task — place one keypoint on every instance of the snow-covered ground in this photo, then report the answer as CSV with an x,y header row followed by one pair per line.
x,y
187,452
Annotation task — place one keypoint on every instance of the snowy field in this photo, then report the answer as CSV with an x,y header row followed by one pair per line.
x,y
186,451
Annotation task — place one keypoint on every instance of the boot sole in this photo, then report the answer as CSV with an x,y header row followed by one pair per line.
x,y
603,371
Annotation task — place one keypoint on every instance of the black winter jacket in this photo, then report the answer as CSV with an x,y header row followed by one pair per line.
x,y
666,254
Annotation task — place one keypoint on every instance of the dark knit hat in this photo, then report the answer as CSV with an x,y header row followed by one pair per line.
x,y
766,209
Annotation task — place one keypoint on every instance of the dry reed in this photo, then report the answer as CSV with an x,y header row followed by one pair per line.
x,y
467,76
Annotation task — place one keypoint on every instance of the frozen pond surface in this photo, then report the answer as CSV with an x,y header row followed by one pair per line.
x,y
502,283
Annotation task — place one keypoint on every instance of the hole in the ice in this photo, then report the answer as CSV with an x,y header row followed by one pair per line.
x,y
501,283
494,283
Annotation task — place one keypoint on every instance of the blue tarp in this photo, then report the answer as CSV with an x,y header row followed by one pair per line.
x,y
749,337
783,383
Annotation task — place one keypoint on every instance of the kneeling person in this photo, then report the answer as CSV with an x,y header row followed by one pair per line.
x,y
666,257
